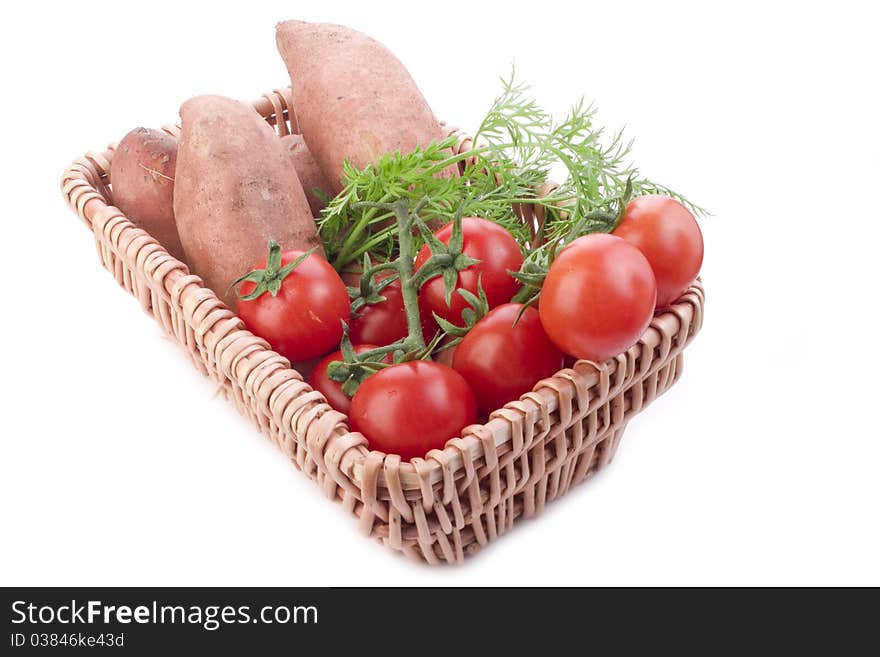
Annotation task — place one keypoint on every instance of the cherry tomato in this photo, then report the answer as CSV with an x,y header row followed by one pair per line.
x,y
412,408
502,361
497,251
332,390
445,354
668,235
385,322
304,320
598,297
429,324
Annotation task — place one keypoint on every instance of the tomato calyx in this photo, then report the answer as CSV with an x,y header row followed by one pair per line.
x,y
269,279
369,290
531,275
478,307
357,366
446,259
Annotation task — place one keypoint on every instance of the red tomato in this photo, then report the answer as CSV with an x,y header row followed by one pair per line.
x,y
497,251
380,323
385,322
429,324
305,319
668,235
502,361
598,297
332,390
412,408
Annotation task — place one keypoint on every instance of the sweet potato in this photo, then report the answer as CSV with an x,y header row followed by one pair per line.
x,y
235,190
354,99
310,174
142,180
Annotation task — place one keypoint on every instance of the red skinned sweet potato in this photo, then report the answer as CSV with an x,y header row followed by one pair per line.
x,y
235,190
142,178
310,175
354,99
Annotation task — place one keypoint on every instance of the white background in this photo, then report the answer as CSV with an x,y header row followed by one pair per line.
x,y
120,467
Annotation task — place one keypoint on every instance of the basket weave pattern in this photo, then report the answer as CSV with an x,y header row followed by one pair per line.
x,y
437,509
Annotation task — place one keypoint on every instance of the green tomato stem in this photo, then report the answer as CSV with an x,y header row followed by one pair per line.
x,y
409,289
433,267
382,266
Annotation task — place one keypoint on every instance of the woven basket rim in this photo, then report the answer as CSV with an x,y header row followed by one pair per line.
x,y
86,187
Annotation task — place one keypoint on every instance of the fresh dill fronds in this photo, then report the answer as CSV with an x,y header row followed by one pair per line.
x,y
349,229
515,147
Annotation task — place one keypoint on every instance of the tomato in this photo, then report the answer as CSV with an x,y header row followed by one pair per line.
x,y
304,320
385,322
429,324
497,251
332,390
668,235
412,408
598,297
502,361
380,323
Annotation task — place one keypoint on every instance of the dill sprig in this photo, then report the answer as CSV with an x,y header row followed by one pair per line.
x,y
600,176
349,228
515,147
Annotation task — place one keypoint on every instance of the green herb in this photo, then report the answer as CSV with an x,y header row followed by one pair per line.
x,y
515,147
350,229
600,177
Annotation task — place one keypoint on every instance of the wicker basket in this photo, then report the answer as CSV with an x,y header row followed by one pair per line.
x,y
455,500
